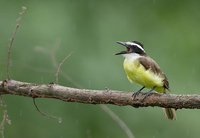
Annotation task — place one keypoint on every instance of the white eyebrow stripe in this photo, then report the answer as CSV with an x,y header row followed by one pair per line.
x,y
132,43
139,46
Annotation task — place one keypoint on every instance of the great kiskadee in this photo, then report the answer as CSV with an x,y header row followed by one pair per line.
x,y
142,69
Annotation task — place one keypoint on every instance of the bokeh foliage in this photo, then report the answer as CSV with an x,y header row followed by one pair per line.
x,y
169,31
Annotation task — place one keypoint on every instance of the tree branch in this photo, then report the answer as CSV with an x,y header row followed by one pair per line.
x,y
98,96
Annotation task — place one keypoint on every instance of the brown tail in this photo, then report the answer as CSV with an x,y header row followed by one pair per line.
x,y
169,113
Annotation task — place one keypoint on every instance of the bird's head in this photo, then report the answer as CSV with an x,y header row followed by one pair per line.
x,y
132,47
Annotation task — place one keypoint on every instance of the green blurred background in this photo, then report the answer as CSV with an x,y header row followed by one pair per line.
x,y
89,29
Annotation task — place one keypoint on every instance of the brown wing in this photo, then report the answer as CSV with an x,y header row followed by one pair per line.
x,y
149,63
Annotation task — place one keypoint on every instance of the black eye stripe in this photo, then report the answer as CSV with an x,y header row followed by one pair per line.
x,y
140,44
136,49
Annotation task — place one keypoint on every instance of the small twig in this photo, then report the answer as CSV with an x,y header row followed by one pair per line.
x,y
41,49
52,55
5,117
12,39
46,115
59,66
55,64
118,120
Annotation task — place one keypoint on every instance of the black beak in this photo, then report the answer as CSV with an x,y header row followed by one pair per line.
x,y
123,44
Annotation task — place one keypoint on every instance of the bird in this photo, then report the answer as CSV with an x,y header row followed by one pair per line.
x,y
142,69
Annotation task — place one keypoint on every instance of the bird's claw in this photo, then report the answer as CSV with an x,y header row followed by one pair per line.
x,y
135,94
146,95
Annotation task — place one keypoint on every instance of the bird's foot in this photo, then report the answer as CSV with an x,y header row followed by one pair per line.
x,y
148,93
137,93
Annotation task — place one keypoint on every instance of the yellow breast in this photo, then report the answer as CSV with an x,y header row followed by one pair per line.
x,y
137,73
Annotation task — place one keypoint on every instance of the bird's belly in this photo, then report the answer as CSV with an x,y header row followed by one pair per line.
x,y
137,73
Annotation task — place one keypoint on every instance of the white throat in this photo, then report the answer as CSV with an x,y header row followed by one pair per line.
x,y
131,56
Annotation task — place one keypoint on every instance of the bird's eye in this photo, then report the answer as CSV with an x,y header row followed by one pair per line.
x,y
127,49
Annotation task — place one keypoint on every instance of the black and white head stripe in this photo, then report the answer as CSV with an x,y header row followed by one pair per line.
x,y
135,43
138,43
